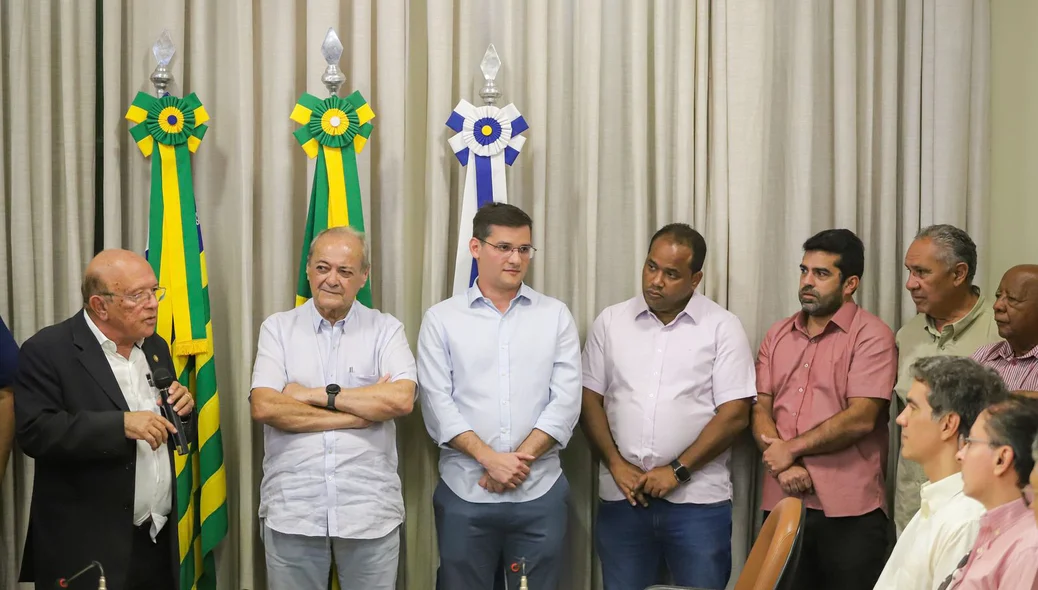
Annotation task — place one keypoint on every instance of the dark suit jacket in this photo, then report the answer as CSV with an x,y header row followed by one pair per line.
x,y
69,415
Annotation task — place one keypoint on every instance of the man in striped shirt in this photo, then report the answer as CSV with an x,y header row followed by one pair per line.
x,y
1015,359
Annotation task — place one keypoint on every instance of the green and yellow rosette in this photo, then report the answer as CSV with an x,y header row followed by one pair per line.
x,y
176,126
333,130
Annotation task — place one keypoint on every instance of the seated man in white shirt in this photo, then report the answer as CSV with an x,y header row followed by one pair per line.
x,y
330,377
946,396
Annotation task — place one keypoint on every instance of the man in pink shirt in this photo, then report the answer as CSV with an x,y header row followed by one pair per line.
x,y
824,379
1015,359
668,385
996,462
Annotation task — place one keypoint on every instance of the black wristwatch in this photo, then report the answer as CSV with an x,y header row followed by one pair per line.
x,y
332,390
680,471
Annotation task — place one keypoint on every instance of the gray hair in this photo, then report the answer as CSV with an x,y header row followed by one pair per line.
x,y
342,231
960,385
955,245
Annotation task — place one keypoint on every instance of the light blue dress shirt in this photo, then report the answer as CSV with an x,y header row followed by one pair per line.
x,y
337,483
499,375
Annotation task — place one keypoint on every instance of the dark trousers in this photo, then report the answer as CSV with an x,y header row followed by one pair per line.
x,y
151,561
476,539
842,553
694,540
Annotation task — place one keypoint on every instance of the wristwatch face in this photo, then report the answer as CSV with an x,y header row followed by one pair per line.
x,y
681,473
332,389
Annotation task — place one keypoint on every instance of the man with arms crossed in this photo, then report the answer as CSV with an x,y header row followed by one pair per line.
x,y
824,379
330,377
668,385
953,319
499,368
946,396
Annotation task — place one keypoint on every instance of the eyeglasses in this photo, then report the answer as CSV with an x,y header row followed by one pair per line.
x,y
965,441
526,251
141,296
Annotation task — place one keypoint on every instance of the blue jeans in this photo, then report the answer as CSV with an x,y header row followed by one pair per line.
x,y
694,540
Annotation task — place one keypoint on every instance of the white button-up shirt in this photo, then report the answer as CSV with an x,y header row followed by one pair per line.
x,y
338,483
153,476
936,538
663,384
499,375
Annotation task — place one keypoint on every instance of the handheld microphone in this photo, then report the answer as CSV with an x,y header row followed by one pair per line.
x,y
101,585
162,380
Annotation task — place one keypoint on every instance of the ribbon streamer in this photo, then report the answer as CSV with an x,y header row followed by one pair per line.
x,y
176,127
334,131
490,138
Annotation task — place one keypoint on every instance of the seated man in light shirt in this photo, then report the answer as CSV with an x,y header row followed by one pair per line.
x,y
668,385
499,370
996,463
946,395
330,377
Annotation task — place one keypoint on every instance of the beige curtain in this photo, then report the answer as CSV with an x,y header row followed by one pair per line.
x,y
47,177
758,122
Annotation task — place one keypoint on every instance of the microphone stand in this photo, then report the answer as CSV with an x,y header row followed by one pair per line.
x,y
101,584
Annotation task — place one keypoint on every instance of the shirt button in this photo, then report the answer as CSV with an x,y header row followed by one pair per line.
x,y
659,350
805,365
794,414
652,395
801,390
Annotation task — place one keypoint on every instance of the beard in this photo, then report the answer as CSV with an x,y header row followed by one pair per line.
x,y
820,306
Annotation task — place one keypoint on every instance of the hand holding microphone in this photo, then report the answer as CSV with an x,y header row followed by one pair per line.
x,y
175,402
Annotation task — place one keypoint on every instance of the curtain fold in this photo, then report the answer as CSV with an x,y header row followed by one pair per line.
x,y
757,122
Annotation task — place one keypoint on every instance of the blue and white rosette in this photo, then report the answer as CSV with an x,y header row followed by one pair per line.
x,y
487,139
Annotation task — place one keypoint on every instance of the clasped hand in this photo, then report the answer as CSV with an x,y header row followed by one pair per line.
x,y
504,471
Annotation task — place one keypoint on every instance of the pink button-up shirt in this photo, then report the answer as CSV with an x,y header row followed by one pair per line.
x,y
1019,372
662,385
1005,555
813,379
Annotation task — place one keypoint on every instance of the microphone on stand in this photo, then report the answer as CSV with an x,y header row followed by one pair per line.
x,y
162,380
101,585
516,568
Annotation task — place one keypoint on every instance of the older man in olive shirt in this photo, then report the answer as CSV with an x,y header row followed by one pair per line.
x,y
953,319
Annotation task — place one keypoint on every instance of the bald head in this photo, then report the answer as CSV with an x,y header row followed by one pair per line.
x,y
110,269
1016,307
119,289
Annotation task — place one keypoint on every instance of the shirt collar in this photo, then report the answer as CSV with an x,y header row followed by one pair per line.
x,y
956,328
998,519
842,319
1004,350
474,294
933,496
319,320
105,342
691,308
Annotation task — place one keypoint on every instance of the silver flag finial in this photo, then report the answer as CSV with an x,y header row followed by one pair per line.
x,y
163,49
490,66
331,50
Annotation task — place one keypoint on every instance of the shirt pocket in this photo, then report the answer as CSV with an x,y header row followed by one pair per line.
x,y
355,379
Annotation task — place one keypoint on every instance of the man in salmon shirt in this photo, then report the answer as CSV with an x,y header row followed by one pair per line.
x,y
824,379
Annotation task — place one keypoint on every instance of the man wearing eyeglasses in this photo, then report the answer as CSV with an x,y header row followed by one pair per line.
x,y
945,398
499,374
996,465
87,413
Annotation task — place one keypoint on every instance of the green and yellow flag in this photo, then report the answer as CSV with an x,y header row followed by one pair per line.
x,y
334,131
176,127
